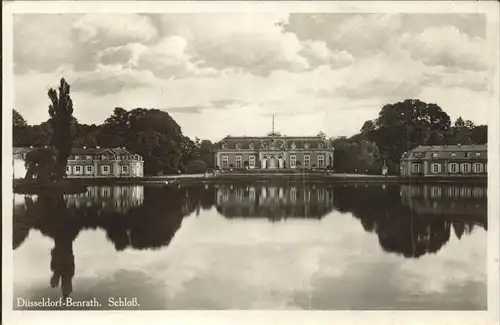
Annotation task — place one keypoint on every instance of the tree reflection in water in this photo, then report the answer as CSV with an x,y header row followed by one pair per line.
x,y
148,223
408,220
414,220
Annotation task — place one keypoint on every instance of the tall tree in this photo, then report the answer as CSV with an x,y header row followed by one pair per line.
x,y
20,130
17,119
61,113
405,125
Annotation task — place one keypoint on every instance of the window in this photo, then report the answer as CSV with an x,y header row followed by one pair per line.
x,y
104,157
124,169
224,146
77,157
307,161
238,146
478,168
436,168
251,161
293,194
68,169
436,191
105,169
467,155
306,145
453,155
238,161
224,161
321,161
320,145
78,169
415,168
453,168
252,146
88,169
478,154
88,157
293,146
465,168
434,155
293,161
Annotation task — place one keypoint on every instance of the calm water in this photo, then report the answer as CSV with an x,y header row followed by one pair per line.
x,y
256,246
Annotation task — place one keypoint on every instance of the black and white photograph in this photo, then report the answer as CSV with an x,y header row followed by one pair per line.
x,y
254,157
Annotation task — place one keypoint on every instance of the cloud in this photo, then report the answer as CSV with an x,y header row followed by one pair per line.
x,y
185,109
169,59
225,68
446,46
110,79
113,30
42,42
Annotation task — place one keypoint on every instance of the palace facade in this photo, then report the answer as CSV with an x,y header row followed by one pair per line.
x,y
91,162
275,151
445,160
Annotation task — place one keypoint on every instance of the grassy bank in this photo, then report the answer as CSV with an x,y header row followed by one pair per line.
x,y
77,185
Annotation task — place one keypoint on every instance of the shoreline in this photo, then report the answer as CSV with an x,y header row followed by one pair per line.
x,y
79,185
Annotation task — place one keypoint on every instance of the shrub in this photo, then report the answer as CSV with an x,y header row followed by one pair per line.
x,y
196,167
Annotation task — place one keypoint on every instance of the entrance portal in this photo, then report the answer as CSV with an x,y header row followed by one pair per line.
x,y
273,163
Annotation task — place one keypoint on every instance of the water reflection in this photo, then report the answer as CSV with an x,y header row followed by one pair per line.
x,y
274,202
409,221
132,217
419,222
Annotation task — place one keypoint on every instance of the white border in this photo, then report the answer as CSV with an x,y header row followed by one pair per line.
x,y
491,316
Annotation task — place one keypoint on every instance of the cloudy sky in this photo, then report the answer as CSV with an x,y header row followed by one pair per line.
x,y
220,74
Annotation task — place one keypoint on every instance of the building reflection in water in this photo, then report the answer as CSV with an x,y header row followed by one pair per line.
x,y
408,220
274,202
131,216
414,220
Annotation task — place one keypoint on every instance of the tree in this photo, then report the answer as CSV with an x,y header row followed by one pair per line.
x,y
61,111
40,162
405,125
368,127
17,119
20,130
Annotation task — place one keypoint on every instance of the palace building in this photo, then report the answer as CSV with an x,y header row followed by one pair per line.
x,y
275,151
90,163
445,160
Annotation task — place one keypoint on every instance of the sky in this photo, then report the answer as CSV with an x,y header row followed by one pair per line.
x,y
227,74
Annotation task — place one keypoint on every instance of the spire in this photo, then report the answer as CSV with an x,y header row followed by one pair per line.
x,y
273,123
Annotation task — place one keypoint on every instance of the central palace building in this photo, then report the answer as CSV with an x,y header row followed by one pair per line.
x,y
275,151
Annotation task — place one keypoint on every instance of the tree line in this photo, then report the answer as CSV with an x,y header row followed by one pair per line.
x,y
398,128
157,137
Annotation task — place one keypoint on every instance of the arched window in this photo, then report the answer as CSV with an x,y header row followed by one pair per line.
x,y
478,168
465,168
436,168
252,145
238,146
453,168
293,145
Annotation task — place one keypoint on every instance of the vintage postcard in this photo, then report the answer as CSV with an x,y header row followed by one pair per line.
x,y
250,162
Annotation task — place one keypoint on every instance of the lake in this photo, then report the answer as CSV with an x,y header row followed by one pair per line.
x,y
256,246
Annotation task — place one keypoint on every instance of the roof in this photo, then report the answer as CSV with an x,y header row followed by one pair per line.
x,y
447,152
245,142
451,148
82,151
